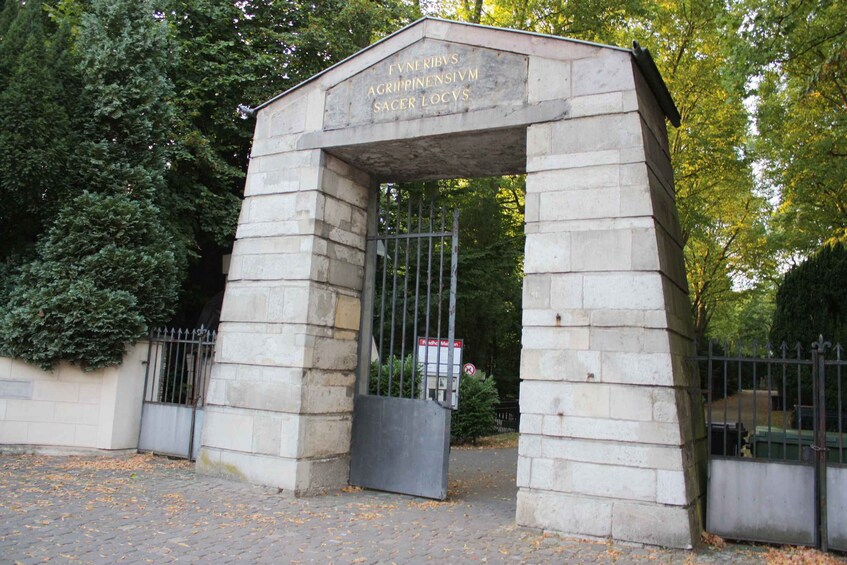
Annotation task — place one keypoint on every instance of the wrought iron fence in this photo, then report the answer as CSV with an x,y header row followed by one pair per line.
x,y
507,416
179,362
775,425
776,403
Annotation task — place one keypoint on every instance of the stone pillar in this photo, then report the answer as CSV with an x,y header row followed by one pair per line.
x,y
608,444
281,395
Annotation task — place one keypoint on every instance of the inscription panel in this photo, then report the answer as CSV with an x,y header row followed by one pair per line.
x,y
16,389
429,78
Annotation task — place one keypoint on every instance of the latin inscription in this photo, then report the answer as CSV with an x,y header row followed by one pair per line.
x,y
428,78
426,81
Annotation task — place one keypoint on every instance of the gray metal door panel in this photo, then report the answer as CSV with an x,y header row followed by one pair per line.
x,y
836,506
401,445
401,440
166,429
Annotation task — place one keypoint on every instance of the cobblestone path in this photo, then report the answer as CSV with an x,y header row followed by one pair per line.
x,y
145,509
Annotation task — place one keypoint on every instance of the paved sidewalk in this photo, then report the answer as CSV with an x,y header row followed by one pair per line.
x,y
145,509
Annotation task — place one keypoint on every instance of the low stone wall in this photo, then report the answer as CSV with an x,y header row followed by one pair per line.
x,y
70,408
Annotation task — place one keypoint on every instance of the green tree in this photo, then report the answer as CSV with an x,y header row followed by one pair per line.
x,y
104,275
812,302
37,137
793,57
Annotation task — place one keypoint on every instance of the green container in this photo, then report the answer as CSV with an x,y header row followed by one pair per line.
x,y
789,444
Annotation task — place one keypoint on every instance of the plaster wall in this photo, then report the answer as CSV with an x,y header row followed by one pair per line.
x,y
70,408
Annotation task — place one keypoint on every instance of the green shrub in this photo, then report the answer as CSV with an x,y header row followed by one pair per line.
x,y
104,274
387,379
475,416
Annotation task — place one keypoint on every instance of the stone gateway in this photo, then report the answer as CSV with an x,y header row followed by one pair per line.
x,y
612,439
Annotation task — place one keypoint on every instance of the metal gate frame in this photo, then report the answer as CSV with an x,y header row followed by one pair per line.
x,y
176,379
400,439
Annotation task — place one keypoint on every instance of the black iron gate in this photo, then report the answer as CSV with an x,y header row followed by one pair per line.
x,y
777,464
179,364
401,431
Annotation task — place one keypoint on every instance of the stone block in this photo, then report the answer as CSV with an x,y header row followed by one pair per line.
x,y
270,268
596,133
55,390
670,488
645,250
288,118
248,467
267,434
50,433
656,433
565,399
566,291
627,291
530,424
622,454
2,409
549,79
653,524
261,349
85,436
555,338
559,365
536,291
245,304
598,104
633,339
5,368
547,253
259,395
13,432
538,138
579,204
73,413
609,481
347,312
324,436
335,354
550,317
602,250
581,159
524,468
318,476
637,368
632,403
328,399
29,410
529,445
225,428
582,178
20,389
612,71
568,514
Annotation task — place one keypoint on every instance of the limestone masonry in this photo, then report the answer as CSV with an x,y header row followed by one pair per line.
x,y
612,438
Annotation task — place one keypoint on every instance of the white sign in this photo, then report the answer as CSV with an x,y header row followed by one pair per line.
x,y
433,355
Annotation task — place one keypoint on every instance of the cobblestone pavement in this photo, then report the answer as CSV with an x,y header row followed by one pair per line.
x,y
145,509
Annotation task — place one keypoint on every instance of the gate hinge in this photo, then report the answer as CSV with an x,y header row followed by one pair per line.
x,y
819,448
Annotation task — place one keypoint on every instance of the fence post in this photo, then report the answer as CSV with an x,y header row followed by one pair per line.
x,y
819,445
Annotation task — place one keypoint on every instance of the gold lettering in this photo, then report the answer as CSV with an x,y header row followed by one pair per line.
x,y
473,74
454,58
371,91
466,94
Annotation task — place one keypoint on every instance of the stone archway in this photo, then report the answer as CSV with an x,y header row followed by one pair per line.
x,y
611,434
